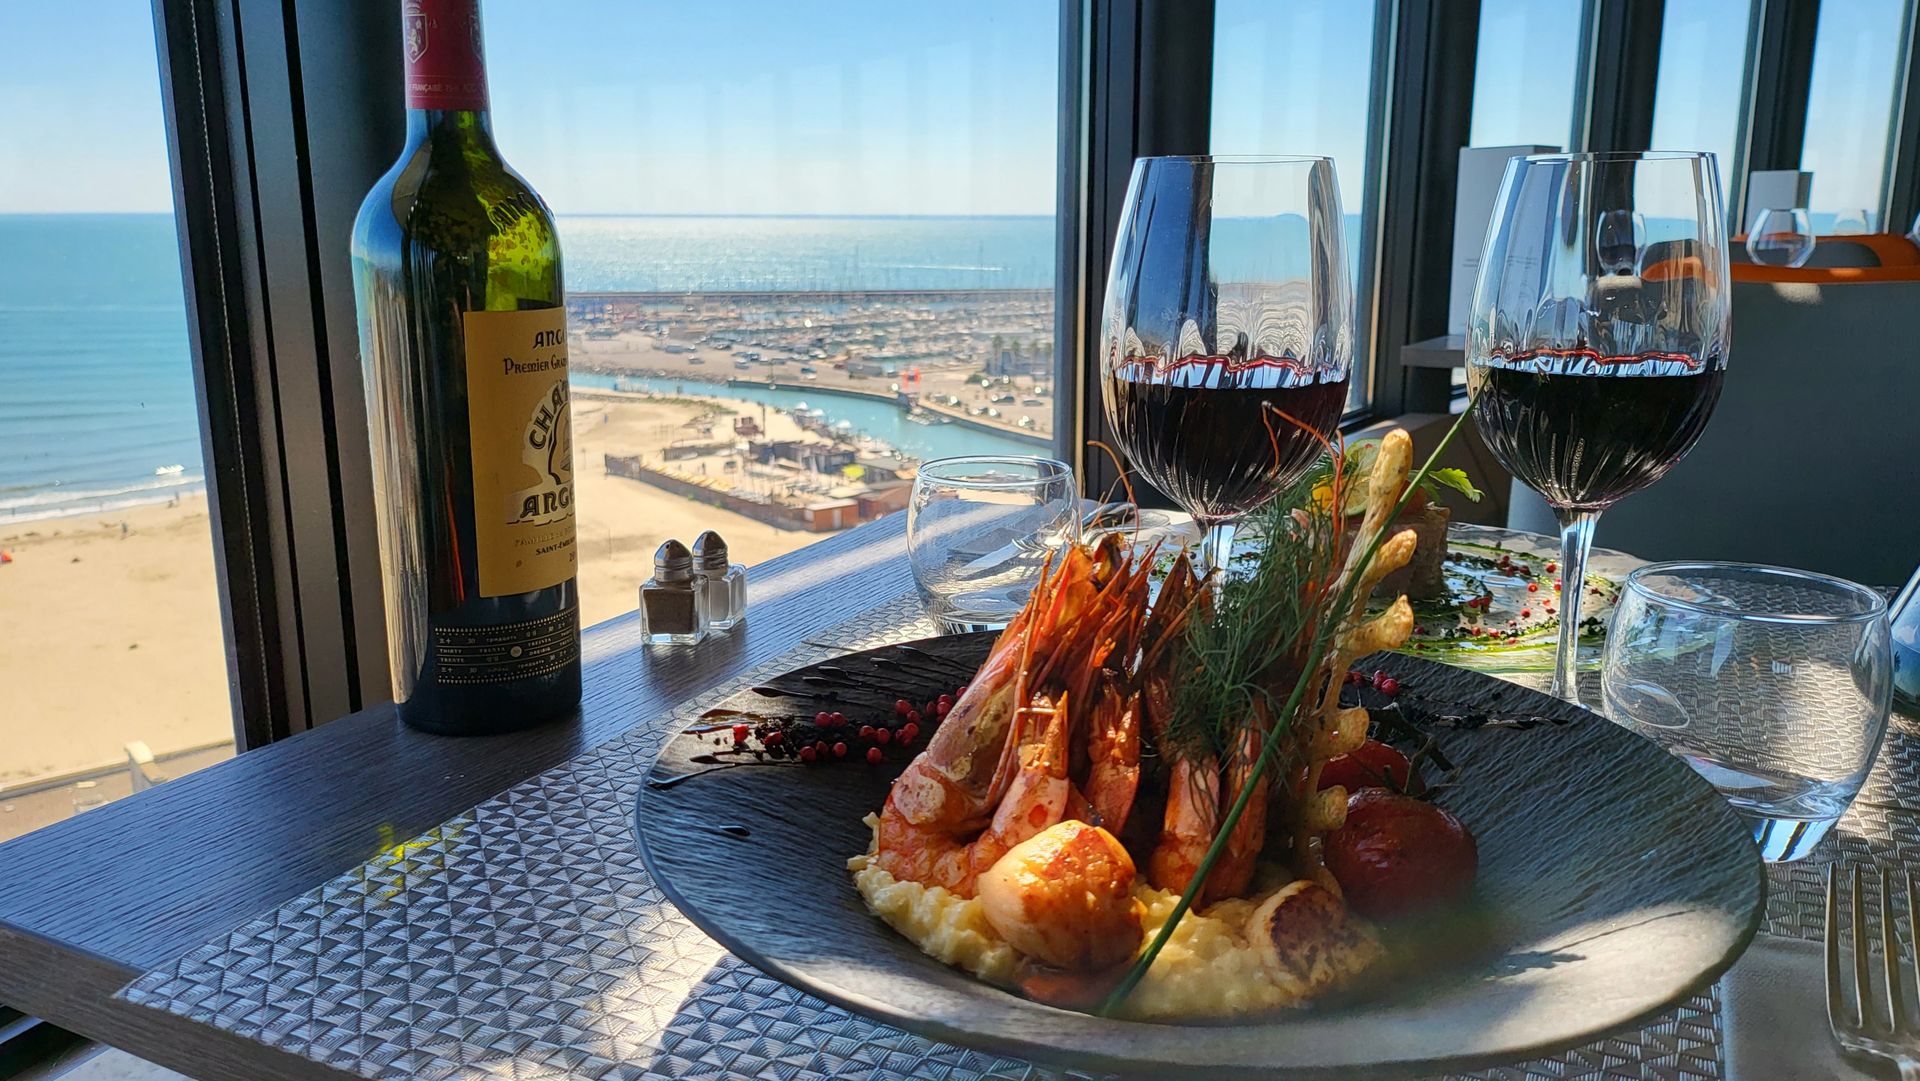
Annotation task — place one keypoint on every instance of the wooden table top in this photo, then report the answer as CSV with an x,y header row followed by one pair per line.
x,y
89,903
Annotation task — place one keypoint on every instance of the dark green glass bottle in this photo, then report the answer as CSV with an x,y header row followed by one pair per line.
x,y
464,348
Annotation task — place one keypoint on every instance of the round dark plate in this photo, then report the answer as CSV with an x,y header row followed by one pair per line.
x,y
1614,882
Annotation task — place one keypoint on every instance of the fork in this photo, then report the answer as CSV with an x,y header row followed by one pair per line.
x,y
1865,1029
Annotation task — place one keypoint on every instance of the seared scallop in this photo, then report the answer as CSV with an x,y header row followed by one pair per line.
x,y
1305,934
1065,896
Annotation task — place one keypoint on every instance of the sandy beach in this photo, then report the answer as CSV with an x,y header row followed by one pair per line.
x,y
117,637
121,609
620,521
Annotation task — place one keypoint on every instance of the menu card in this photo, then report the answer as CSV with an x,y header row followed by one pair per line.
x,y
1481,168
1776,189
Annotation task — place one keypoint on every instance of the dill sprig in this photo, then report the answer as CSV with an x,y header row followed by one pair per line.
x,y
1260,626
1322,638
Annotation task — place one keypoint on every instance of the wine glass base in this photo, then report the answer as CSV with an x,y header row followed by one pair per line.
x,y
965,626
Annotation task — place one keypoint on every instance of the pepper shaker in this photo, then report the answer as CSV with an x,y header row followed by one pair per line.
x,y
725,583
673,604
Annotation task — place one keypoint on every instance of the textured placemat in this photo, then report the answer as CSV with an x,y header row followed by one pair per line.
x,y
524,940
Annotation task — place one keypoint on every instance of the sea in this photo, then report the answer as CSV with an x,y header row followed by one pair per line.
x,y
97,401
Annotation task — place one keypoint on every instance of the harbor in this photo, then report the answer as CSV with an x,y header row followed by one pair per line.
x,y
812,411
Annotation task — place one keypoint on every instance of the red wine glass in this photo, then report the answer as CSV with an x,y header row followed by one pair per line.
x,y
1595,367
1227,320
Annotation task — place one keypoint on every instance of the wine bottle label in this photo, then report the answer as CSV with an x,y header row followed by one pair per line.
x,y
509,651
522,449
446,68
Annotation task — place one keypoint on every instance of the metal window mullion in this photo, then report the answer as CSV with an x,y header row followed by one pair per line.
x,y
1377,167
1429,118
1146,79
291,347
1619,64
349,77
198,81
1782,66
275,129
1900,189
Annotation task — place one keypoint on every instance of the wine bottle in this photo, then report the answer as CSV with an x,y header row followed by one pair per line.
x,y
464,349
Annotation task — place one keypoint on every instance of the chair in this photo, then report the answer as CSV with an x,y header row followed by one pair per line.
x,y
1812,458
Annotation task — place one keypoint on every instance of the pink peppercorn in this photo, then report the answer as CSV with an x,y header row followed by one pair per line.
x,y
807,754
823,718
874,756
901,706
881,736
741,732
839,750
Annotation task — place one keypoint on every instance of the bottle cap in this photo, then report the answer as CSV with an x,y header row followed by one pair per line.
x,y
710,553
672,563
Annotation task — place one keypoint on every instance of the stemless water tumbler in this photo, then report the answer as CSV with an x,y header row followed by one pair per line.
x,y
1773,684
981,529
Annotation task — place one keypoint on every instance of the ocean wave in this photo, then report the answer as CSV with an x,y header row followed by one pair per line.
x,y
55,502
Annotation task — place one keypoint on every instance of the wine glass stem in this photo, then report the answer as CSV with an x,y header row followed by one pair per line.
x,y
1216,547
1576,540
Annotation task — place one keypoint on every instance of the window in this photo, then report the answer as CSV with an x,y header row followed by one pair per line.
x,y
1319,102
1856,56
806,247
106,552
1523,79
1699,95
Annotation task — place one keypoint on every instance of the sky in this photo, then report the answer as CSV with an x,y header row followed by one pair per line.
x,y
905,106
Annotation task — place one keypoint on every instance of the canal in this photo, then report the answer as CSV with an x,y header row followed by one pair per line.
x,y
868,416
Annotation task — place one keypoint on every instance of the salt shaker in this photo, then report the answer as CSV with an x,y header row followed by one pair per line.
x,y
673,604
725,583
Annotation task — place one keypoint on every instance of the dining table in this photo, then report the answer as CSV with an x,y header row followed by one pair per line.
x,y
366,900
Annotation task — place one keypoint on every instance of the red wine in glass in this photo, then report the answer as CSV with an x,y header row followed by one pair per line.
x,y
1597,338
1586,431
1208,447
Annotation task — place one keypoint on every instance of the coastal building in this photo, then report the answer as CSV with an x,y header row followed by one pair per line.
x,y
811,456
1008,359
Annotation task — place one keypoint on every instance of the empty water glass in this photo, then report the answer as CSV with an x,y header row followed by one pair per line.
x,y
979,531
1774,684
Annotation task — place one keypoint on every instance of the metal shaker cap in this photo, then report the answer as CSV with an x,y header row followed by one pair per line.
x,y
672,563
710,554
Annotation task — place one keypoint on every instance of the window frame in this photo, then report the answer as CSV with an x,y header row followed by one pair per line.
x,y
279,120
1900,202
249,89
1779,79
